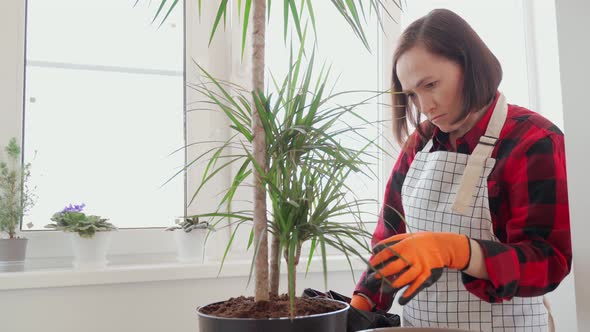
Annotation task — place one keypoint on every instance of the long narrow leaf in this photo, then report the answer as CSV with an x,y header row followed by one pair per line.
x,y
311,251
169,11
220,12
227,247
245,26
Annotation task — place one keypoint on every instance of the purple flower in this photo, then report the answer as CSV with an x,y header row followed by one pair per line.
x,y
74,208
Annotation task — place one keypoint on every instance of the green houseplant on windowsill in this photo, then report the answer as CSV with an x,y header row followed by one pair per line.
x,y
90,235
16,198
190,234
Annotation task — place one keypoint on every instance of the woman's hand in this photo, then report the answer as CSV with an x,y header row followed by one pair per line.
x,y
361,302
418,259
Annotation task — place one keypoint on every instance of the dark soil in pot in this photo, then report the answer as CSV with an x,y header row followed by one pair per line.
x,y
245,307
244,315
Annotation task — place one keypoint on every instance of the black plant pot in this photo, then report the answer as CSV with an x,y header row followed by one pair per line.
x,y
334,321
414,329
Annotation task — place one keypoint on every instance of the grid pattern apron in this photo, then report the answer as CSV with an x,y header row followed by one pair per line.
x,y
448,192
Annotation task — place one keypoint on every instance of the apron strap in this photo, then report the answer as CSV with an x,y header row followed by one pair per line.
x,y
427,147
477,160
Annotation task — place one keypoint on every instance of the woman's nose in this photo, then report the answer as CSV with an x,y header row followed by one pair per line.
x,y
426,106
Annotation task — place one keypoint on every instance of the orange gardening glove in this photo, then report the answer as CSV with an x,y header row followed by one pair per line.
x,y
418,259
361,303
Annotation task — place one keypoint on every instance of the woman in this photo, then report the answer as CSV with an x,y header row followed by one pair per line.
x,y
476,218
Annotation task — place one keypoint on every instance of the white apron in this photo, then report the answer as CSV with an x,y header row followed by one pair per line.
x,y
448,192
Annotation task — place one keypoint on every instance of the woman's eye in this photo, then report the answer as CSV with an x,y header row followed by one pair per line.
x,y
431,85
412,99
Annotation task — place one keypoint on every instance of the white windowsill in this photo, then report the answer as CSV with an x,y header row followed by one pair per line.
x,y
118,274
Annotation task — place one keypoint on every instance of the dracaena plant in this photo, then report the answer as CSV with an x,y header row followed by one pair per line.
x,y
253,14
16,196
308,163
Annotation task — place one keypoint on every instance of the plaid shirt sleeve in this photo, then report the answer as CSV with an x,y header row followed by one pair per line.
x,y
532,222
389,223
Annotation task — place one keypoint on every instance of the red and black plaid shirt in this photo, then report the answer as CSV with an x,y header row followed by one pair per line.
x,y
528,203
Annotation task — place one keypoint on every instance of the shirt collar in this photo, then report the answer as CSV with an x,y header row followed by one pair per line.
x,y
467,142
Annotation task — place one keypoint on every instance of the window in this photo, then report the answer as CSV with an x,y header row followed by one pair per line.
x,y
104,110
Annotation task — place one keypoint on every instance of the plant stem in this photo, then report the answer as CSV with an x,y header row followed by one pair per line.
x,y
293,286
292,258
274,265
13,195
259,147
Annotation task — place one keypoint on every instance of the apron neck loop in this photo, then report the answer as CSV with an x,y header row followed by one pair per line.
x,y
496,122
490,138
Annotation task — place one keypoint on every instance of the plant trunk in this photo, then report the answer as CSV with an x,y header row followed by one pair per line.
x,y
275,256
259,147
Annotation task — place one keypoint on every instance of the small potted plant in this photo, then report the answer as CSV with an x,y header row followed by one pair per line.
x,y
16,198
90,235
190,236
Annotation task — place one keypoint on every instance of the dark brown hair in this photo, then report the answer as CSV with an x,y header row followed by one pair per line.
x,y
446,34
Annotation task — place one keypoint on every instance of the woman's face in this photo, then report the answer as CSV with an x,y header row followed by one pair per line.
x,y
434,86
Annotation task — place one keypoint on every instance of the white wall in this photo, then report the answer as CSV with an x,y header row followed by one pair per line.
x,y
574,52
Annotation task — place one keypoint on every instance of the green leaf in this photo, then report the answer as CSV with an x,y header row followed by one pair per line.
x,y
12,149
250,239
169,11
245,26
220,12
311,251
242,174
285,19
296,20
312,16
159,10
226,251
358,29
